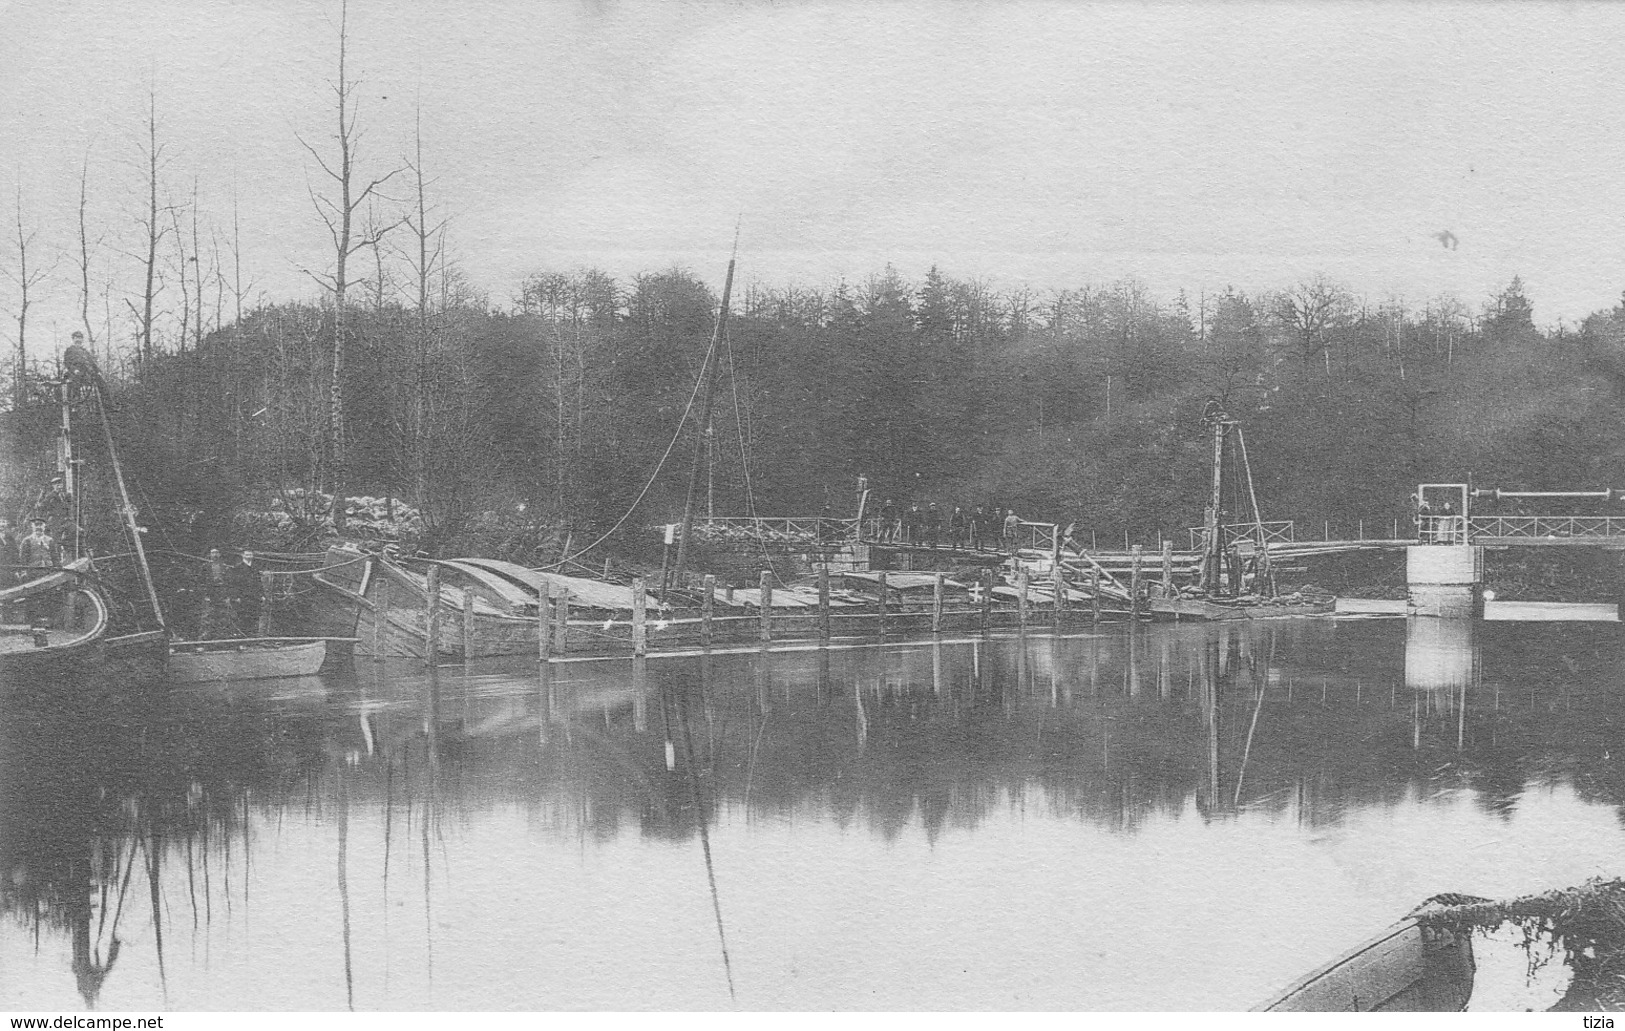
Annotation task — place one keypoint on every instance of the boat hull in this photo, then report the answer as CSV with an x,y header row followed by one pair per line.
x,y
1216,610
198,662
1407,968
385,610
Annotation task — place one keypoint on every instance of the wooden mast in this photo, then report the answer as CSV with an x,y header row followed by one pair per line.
x,y
128,510
1212,561
709,371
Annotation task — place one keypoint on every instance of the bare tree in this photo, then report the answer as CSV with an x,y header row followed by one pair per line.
x,y
153,230
339,215
1310,309
425,258
25,277
180,274
85,249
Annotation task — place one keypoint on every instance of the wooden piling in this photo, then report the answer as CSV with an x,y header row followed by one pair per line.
x,y
561,621
765,593
264,627
1094,595
431,618
380,620
1055,572
823,602
468,626
987,599
1136,560
544,624
1167,569
707,608
640,629
882,581
936,605
1021,602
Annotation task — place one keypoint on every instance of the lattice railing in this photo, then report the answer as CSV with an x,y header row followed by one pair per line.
x,y
1525,527
1281,531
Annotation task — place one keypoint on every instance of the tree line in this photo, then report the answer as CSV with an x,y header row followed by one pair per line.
x,y
515,428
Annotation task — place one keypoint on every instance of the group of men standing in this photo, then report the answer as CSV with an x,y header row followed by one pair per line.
x,y
977,528
230,604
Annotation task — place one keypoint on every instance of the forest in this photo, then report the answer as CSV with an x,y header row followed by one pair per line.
x,y
511,429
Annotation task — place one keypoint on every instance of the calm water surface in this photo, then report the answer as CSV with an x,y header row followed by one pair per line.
x,y
1182,818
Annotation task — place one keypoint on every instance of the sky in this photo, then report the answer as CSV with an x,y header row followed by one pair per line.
x,y
1044,145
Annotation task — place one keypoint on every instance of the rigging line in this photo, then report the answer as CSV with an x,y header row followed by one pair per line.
x,y
744,460
676,435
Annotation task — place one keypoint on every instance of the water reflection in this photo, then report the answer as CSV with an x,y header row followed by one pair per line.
x,y
800,828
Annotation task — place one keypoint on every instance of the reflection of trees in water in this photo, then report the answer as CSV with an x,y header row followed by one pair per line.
x,y
1310,719
100,793
1111,730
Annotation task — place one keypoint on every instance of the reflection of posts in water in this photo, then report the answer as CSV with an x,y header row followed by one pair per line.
x,y
1209,667
1132,672
1165,672
936,664
1055,673
1022,685
823,676
863,715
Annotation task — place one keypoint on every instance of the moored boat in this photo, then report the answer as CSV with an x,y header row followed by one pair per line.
x,y
1208,608
484,607
252,658
1407,968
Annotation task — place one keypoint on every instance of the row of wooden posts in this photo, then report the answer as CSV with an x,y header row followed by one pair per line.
x,y
553,608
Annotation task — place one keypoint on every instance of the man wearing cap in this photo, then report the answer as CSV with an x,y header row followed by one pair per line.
x,y
38,554
39,549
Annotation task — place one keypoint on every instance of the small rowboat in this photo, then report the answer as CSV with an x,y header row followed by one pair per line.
x,y
1407,968
249,658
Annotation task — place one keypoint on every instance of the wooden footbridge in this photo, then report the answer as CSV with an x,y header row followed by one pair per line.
x,y
1445,516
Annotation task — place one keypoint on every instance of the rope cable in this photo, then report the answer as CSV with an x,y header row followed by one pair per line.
x,y
744,462
676,435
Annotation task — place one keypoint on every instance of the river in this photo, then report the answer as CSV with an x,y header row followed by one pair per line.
x,y
1179,818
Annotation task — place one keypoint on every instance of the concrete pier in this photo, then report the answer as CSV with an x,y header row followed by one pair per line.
x,y
1445,580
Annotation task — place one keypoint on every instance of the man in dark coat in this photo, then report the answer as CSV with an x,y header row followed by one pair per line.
x,y
888,521
243,586
38,555
933,524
